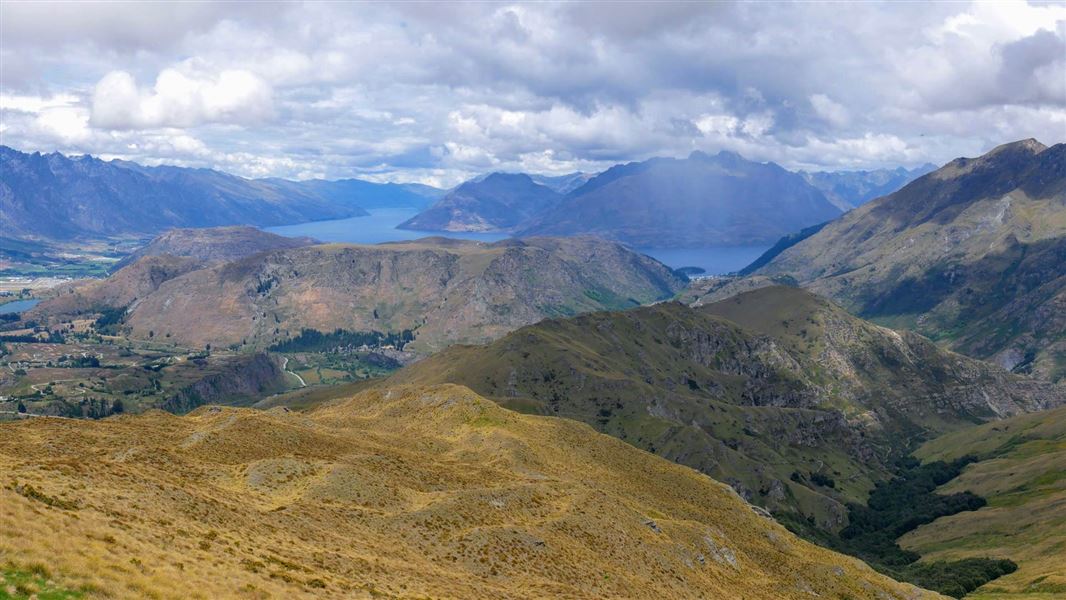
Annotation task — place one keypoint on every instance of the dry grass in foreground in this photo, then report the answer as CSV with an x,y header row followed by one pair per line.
x,y
412,492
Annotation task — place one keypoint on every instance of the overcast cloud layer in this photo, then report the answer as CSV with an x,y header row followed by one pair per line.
x,y
436,93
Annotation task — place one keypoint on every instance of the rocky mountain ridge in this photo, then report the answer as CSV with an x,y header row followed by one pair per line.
x,y
971,255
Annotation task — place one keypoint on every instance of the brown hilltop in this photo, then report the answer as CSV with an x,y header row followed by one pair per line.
x,y
445,290
215,244
409,492
123,288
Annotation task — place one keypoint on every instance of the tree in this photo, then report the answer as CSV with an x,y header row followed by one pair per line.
x,y
22,407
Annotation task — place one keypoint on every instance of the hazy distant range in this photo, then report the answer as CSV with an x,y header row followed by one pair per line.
x,y
380,226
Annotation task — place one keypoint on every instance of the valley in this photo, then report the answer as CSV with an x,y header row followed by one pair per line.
x,y
805,410
1020,468
613,300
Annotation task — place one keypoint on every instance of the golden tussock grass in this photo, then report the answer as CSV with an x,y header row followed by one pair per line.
x,y
411,492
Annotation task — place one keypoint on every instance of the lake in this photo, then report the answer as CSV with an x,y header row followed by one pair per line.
x,y
380,226
18,306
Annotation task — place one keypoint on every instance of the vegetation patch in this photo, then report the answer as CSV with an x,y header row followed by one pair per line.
x,y
34,581
312,340
901,505
28,491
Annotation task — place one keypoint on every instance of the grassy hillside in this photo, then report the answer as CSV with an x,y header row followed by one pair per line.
x,y
1021,471
409,492
970,255
775,391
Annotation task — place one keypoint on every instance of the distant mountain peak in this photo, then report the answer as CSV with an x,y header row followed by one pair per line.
x,y
699,201
1030,145
496,201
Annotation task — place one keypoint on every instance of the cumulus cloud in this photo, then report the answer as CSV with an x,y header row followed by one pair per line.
x,y
436,93
178,100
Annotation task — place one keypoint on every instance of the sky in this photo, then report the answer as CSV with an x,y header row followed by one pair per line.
x,y
436,93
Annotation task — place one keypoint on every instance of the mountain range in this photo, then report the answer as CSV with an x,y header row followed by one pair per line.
x,y
55,197
808,384
848,189
970,255
703,200
699,201
498,201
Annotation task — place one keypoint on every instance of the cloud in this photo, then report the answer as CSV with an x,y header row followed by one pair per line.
x,y
178,100
833,112
428,92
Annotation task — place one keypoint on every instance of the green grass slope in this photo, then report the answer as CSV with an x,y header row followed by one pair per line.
x,y
798,405
970,255
1021,471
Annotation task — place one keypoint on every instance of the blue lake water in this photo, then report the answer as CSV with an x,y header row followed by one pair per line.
x,y
380,226
716,260
18,306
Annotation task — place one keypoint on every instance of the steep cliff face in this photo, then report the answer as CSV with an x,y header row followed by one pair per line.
x,y
238,381
760,390
970,255
446,291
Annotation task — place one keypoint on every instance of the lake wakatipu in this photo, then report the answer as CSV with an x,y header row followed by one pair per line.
x,y
380,226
